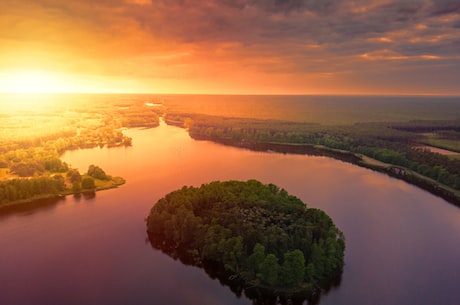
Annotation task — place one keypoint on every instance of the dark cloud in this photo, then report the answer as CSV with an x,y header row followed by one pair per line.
x,y
256,21
267,22
317,6
444,7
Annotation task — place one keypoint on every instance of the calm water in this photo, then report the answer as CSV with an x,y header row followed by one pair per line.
x,y
403,244
305,108
320,109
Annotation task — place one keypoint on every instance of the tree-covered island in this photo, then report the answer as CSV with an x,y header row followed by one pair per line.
x,y
259,235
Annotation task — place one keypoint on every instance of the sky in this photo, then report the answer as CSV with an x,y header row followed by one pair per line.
x,y
231,46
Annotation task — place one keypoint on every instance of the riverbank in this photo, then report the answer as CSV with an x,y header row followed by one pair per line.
x,y
436,188
100,185
449,194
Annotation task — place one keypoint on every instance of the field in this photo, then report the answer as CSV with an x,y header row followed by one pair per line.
x,y
436,140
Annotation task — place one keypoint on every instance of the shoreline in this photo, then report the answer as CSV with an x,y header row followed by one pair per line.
x,y
215,270
116,182
450,195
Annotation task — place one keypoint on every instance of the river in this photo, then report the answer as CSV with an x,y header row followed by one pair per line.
x,y
403,244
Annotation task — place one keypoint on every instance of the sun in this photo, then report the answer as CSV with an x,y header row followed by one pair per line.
x,y
32,81
43,82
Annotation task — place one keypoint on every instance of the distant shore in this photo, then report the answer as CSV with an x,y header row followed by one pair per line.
x,y
430,185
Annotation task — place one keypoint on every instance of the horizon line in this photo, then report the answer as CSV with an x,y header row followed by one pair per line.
x,y
233,93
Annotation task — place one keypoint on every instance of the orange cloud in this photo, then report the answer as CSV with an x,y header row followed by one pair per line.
x,y
237,46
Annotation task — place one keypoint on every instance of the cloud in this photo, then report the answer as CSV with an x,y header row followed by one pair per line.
x,y
444,7
278,37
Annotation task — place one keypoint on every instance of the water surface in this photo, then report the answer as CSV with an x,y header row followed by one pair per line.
x,y
402,242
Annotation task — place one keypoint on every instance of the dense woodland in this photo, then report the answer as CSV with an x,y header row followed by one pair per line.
x,y
393,143
258,233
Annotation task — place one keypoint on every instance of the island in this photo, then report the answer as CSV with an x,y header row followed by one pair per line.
x,y
251,235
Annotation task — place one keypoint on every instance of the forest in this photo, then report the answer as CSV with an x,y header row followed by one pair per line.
x,y
394,144
30,165
258,233
56,182
399,148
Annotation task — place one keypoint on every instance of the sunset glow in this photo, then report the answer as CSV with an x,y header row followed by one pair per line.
x,y
38,81
236,46
32,82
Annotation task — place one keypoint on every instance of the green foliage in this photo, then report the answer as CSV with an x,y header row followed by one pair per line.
x,y
88,183
293,269
27,169
76,187
393,143
269,271
74,175
256,259
33,150
258,232
55,165
97,172
23,189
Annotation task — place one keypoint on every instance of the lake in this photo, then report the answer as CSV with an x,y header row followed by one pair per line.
x,y
403,244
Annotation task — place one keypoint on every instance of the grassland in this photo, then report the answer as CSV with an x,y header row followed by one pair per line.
x,y
436,140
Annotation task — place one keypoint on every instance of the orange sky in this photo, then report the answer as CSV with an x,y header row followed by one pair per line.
x,y
231,46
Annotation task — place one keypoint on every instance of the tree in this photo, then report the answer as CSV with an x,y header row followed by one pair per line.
x,y
293,268
74,175
269,270
27,169
317,260
97,172
87,183
256,258
232,253
76,187
55,165
59,183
